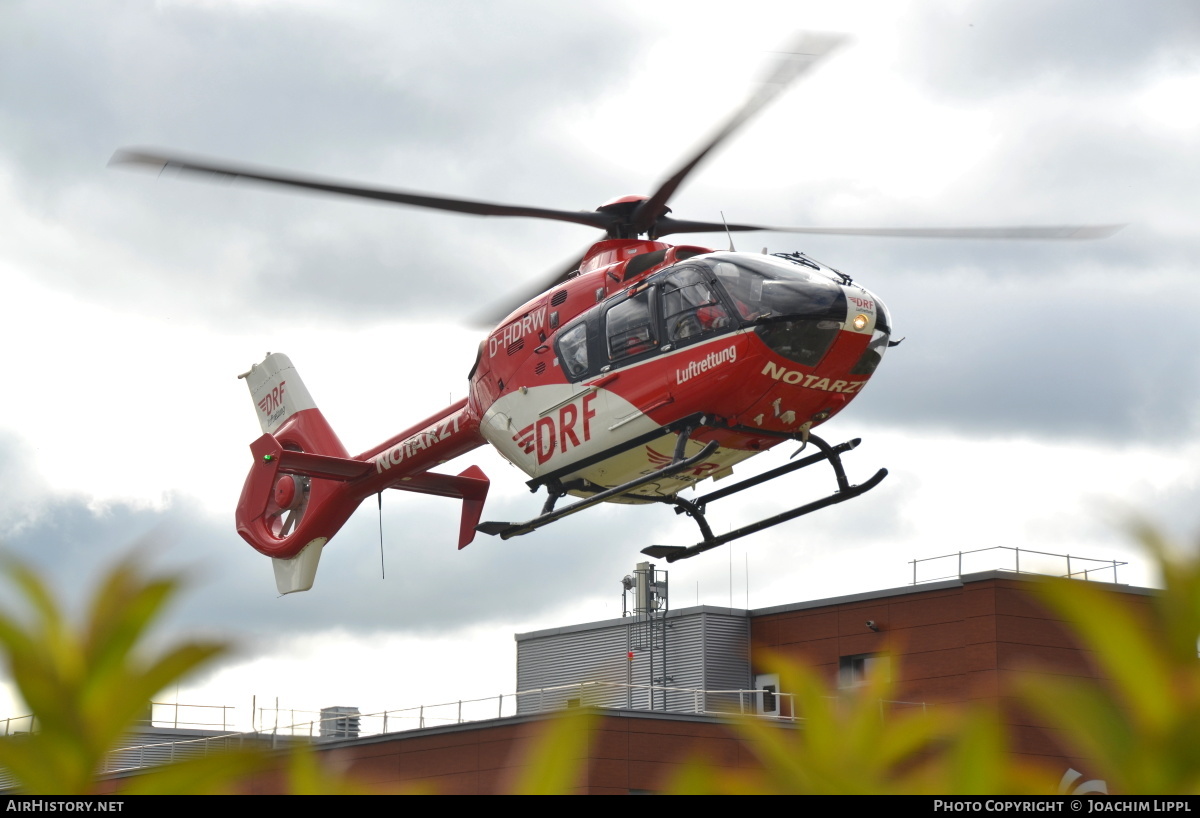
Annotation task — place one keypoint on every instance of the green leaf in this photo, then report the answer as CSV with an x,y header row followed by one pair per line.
x,y
556,761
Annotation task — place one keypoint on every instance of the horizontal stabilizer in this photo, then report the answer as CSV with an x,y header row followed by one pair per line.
x,y
661,551
471,485
320,465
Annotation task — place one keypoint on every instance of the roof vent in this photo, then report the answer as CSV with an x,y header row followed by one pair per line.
x,y
339,722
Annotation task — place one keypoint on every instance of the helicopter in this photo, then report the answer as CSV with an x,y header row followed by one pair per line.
x,y
640,370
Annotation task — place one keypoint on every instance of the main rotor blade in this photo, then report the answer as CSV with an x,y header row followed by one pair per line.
x,y
806,51
668,226
495,313
220,171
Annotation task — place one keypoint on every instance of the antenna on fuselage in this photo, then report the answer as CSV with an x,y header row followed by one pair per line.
x,y
382,569
727,233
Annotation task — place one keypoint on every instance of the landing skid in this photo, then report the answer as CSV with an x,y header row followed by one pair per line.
x,y
696,508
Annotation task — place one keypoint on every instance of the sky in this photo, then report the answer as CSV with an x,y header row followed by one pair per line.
x,y
1043,393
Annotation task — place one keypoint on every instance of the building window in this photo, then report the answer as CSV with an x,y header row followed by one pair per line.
x,y
767,686
857,670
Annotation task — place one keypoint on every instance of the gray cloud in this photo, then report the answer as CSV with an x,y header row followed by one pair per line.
x,y
456,98
1082,341
980,49
430,586
1077,357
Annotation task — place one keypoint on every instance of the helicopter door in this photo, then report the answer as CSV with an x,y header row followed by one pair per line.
x,y
630,331
698,325
629,337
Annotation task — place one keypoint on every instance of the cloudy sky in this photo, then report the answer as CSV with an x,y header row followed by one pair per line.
x,y
1043,389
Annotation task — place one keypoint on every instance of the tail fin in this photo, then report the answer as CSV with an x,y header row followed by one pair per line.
x,y
279,394
273,505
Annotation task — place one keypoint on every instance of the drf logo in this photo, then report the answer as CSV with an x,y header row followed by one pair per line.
x,y
549,433
272,400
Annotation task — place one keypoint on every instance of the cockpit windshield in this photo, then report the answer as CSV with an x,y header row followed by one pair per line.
x,y
765,287
797,311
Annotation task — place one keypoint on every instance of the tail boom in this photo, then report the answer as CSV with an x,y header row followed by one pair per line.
x,y
303,485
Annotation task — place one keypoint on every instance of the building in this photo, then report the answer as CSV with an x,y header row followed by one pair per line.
x,y
663,678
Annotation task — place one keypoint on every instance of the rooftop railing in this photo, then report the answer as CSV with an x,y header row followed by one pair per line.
x,y
742,702
1042,563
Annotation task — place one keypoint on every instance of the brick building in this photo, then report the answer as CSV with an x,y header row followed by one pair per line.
x,y
952,641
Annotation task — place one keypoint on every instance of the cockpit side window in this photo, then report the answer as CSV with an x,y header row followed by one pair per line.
x,y
691,309
573,350
630,327
745,287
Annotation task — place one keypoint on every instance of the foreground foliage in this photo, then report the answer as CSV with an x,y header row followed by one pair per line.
x,y
86,684
853,744
1141,727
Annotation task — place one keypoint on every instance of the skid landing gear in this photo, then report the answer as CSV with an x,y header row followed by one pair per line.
x,y
549,515
696,508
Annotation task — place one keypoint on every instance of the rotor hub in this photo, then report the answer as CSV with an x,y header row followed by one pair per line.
x,y
285,492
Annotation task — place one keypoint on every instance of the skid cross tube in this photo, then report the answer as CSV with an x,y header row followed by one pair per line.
x,y
508,530
750,482
695,509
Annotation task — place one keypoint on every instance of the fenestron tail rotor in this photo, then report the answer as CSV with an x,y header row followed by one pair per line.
x,y
289,499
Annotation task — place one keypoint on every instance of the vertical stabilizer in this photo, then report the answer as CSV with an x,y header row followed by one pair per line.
x,y
277,391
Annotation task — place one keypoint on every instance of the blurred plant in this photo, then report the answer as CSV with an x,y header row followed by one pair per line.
x,y
88,684
1140,726
85,685
556,760
856,743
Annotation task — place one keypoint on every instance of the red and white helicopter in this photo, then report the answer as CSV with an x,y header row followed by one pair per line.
x,y
644,370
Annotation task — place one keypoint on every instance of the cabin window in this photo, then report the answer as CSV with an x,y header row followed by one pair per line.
x,y
630,328
573,351
690,307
